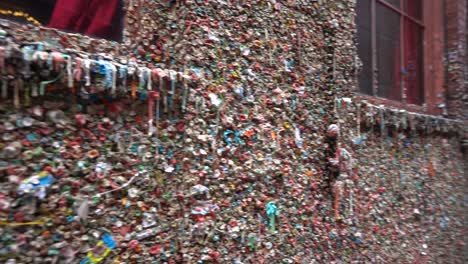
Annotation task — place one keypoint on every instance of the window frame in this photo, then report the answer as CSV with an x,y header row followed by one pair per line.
x,y
403,16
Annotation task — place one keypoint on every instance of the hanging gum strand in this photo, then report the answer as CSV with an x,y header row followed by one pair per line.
x,y
337,202
16,96
134,89
27,98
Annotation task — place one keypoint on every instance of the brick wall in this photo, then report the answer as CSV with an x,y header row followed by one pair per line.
x,y
456,79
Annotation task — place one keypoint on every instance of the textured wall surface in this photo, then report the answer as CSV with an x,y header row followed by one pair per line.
x,y
407,183
261,165
457,57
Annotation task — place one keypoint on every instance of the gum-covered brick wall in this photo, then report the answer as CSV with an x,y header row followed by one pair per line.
x,y
214,133
402,184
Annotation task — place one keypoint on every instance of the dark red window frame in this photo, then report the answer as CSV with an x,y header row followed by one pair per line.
x,y
391,45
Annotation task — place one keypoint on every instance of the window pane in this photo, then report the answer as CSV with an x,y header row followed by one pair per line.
x,y
413,62
395,3
363,22
413,8
388,53
97,18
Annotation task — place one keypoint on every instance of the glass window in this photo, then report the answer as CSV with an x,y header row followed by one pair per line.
x,y
393,33
413,61
388,53
413,8
395,3
364,42
97,18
